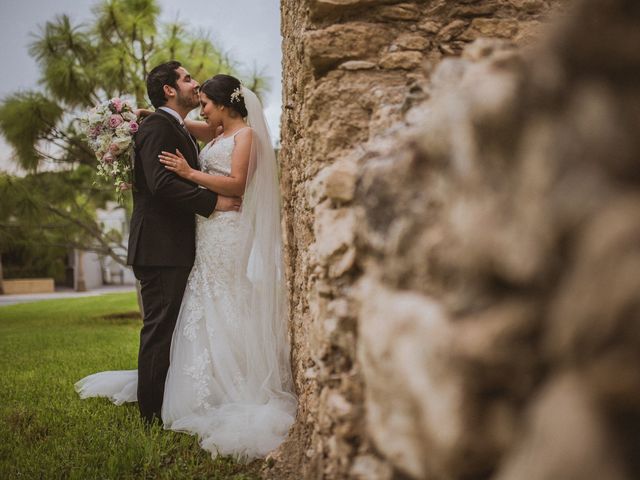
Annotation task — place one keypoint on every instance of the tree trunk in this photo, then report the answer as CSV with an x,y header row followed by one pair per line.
x,y
81,286
1,277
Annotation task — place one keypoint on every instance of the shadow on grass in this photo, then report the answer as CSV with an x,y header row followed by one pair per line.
x,y
124,317
24,423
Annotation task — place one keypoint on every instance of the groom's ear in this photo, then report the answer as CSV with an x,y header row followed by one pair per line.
x,y
169,91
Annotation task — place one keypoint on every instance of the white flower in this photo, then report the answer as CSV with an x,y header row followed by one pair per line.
x,y
95,118
130,116
123,130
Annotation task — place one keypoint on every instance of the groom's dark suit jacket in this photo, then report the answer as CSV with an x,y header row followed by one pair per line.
x,y
162,229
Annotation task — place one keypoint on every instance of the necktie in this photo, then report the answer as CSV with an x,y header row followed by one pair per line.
x,y
190,137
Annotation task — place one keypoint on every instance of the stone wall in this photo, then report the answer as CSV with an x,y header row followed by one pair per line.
x,y
499,319
375,296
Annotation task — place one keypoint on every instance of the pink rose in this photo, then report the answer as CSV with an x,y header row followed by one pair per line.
x,y
133,127
115,120
124,186
113,148
108,158
117,103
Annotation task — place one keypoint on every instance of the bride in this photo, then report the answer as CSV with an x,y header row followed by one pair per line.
x,y
229,380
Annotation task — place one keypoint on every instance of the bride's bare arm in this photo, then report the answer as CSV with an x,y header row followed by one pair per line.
x,y
232,185
199,129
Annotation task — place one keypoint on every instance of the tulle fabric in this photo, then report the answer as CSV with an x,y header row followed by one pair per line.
x,y
244,429
119,386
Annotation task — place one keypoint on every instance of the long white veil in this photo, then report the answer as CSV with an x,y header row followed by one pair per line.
x,y
260,264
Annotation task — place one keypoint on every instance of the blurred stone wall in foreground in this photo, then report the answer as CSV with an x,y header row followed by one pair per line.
x,y
463,239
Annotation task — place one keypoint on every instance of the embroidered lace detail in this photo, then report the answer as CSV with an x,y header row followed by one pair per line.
x,y
194,315
211,279
198,371
215,158
216,236
238,379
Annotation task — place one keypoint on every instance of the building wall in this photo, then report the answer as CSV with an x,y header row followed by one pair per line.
x,y
100,270
92,270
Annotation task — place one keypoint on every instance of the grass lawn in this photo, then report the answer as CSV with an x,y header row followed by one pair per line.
x,y
47,432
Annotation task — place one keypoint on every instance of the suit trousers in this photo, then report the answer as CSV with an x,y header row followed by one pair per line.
x,y
162,289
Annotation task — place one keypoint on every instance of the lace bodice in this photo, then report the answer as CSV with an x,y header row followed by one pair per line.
x,y
215,157
217,235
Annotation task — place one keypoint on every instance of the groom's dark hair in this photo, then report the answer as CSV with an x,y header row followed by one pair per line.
x,y
163,74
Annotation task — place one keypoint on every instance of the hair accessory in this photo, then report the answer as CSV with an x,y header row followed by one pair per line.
x,y
236,96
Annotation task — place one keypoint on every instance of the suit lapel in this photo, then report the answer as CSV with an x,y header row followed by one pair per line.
x,y
192,159
195,142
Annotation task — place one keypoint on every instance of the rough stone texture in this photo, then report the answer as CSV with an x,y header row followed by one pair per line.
x,y
421,252
499,318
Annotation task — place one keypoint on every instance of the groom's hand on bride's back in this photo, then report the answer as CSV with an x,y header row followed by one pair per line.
x,y
228,204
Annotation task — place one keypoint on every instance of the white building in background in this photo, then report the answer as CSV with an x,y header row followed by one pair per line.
x,y
91,270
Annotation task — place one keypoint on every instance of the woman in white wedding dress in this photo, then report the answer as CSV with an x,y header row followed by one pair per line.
x,y
229,380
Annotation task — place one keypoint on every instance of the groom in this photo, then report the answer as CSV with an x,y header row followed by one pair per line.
x,y
162,233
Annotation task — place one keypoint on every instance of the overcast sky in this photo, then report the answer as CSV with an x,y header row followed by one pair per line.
x,y
248,29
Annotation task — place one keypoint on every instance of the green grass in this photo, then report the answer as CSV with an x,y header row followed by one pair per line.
x,y
47,432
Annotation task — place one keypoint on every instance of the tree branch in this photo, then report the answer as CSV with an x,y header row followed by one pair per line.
x,y
94,232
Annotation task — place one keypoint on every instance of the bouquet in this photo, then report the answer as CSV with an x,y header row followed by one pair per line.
x,y
109,128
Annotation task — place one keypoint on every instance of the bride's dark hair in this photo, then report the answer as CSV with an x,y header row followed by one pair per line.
x,y
225,90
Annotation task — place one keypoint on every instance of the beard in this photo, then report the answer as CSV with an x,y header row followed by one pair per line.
x,y
187,100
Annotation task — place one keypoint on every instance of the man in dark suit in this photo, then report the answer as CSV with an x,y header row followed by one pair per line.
x,y
162,233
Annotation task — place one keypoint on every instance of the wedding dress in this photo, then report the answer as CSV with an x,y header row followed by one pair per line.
x,y
229,380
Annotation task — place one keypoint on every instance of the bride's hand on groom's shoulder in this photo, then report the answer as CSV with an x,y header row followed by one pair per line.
x,y
142,113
